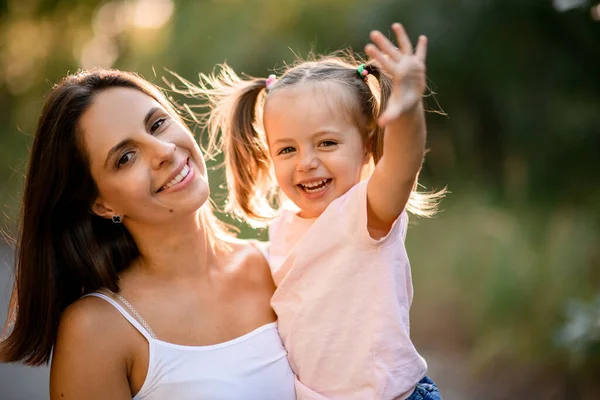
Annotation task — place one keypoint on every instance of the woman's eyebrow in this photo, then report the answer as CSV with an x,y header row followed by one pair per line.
x,y
128,141
123,143
150,113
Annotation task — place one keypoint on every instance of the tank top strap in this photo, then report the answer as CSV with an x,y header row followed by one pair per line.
x,y
138,323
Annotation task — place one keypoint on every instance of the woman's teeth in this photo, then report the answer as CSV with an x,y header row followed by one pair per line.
x,y
184,172
315,187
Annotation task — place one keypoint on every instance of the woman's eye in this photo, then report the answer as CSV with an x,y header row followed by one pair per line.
x,y
286,150
159,122
125,158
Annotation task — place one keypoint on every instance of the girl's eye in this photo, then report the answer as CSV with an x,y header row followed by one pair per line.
x,y
328,143
156,125
286,150
125,158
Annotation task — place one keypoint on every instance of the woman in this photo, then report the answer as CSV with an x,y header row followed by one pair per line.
x,y
123,272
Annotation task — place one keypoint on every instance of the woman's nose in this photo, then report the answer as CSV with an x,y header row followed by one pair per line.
x,y
164,153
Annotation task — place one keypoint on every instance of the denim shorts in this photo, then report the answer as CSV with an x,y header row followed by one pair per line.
x,y
425,390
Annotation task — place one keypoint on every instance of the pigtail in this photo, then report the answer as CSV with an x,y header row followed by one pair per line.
x,y
233,122
247,156
381,93
424,204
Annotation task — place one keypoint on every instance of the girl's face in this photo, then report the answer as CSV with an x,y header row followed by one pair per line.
x,y
146,164
318,152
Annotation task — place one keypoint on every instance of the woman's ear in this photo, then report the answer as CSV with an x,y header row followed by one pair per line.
x,y
102,209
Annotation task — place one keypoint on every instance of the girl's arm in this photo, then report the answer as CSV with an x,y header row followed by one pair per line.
x,y
89,359
394,177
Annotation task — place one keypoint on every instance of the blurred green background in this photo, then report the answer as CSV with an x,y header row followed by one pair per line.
x,y
507,276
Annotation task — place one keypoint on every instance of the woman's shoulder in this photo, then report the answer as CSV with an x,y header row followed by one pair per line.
x,y
87,311
92,346
247,247
250,258
90,320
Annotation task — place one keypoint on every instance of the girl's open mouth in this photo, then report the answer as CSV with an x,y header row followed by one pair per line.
x,y
315,187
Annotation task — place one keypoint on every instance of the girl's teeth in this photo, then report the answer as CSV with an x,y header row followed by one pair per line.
x,y
315,187
314,184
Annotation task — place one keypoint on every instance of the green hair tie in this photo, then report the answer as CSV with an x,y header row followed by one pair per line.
x,y
362,71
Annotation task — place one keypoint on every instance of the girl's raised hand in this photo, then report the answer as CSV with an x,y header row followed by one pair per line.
x,y
406,67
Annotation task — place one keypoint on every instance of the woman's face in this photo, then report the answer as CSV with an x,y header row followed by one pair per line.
x,y
146,164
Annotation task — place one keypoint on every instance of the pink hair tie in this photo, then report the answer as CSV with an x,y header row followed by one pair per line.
x,y
270,80
362,71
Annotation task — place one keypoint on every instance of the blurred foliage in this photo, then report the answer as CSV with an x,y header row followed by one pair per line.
x,y
520,147
581,333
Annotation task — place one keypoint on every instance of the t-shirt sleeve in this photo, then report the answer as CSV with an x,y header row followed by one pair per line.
x,y
352,210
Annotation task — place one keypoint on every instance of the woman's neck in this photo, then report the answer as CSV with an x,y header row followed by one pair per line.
x,y
177,250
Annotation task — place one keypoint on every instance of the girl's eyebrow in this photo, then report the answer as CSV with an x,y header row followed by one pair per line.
x,y
282,140
126,142
315,135
324,132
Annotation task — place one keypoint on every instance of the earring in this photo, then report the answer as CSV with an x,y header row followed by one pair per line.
x,y
116,219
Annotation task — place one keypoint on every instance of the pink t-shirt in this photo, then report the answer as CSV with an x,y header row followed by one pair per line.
x,y
343,302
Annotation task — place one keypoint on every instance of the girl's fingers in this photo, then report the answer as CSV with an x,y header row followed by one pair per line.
x,y
421,51
402,39
384,60
385,45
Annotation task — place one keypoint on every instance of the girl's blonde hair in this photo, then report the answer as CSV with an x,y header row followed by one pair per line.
x,y
234,125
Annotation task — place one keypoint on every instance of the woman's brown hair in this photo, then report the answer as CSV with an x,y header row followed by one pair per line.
x,y
64,250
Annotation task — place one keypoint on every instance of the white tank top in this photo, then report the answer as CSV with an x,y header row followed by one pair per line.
x,y
253,366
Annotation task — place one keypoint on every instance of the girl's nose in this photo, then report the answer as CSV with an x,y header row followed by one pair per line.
x,y
308,162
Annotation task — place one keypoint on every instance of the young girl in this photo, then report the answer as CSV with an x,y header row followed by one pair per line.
x,y
343,278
